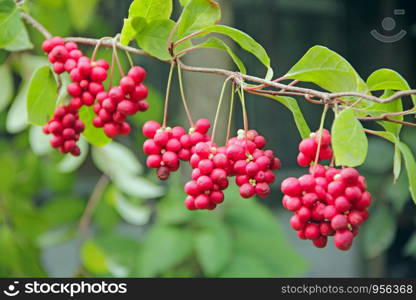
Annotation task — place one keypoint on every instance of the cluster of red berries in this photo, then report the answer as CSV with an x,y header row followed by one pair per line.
x,y
252,166
308,148
87,86
165,147
121,101
327,202
66,129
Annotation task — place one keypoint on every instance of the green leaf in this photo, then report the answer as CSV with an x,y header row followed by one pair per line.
x,y
397,165
163,248
410,163
215,43
151,9
349,141
93,258
20,42
244,41
292,104
105,216
10,23
39,141
71,163
328,70
41,96
93,135
137,186
398,193
184,2
245,265
6,80
134,213
378,232
114,159
213,249
410,248
82,12
153,38
127,32
17,114
61,211
197,15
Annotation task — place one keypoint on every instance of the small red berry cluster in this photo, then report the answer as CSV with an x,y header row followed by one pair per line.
x,y
121,101
308,148
251,164
165,147
327,202
66,129
87,77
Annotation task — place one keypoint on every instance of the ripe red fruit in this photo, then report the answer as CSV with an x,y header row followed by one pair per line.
x,y
138,74
150,128
343,239
312,231
111,130
291,186
127,84
293,203
308,147
98,74
349,176
247,190
202,125
339,222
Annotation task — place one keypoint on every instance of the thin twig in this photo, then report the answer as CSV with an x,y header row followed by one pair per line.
x,y
35,24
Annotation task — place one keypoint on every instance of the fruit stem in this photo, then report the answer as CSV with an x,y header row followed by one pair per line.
x,y
165,113
230,115
116,56
243,105
110,84
185,105
129,58
217,113
97,47
321,127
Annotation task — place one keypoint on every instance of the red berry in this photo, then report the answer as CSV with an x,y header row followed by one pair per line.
x,y
308,147
339,222
292,203
202,126
262,189
343,239
111,130
307,183
342,204
296,223
206,166
312,231
320,242
127,107
349,176
140,92
191,188
291,186
247,190
149,128
138,74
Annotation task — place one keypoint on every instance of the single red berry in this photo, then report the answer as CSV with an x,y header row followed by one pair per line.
x,y
349,176
343,239
292,203
339,222
320,242
150,128
138,74
312,231
291,186
98,74
111,130
308,147
247,190
191,188
202,126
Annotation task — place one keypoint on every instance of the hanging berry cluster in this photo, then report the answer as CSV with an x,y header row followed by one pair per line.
x,y
326,201
87,78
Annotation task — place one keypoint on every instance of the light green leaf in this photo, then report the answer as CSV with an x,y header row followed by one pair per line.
x,y
81,12
215,43
137,186
197,15
410,163
410,248
93,258
163,248
151,9
41,96
127,32
244,41
10,23
153,38
114,158
213,249
134,213
378,232
7,88
349,141
328,70
93,135
292,104
184,2
20,42
71,163
397,165
17,114
39,141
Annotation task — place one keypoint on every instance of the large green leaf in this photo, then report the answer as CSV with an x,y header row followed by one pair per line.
x,y
213,249
378,232
328,70
410,163
163,248
10,23
133,211
82,12
17,114
92,134
6,80
39,142
41,96
349,141
244,41
216,43
197,15
21,41
153,38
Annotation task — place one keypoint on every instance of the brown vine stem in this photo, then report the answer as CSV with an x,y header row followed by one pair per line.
x,y
93,202
328,97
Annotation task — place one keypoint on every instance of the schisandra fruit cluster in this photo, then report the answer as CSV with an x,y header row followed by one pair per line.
x,y
326,201
85,89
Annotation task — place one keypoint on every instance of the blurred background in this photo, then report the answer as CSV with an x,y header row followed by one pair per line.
x,y
64,216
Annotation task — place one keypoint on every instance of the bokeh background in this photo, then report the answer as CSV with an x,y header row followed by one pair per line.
x,y
104,214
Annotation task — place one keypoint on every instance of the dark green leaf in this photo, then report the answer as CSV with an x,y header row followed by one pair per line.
x,y
41,96
197,15
410,163
378,232
93,135
327,69
349,141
